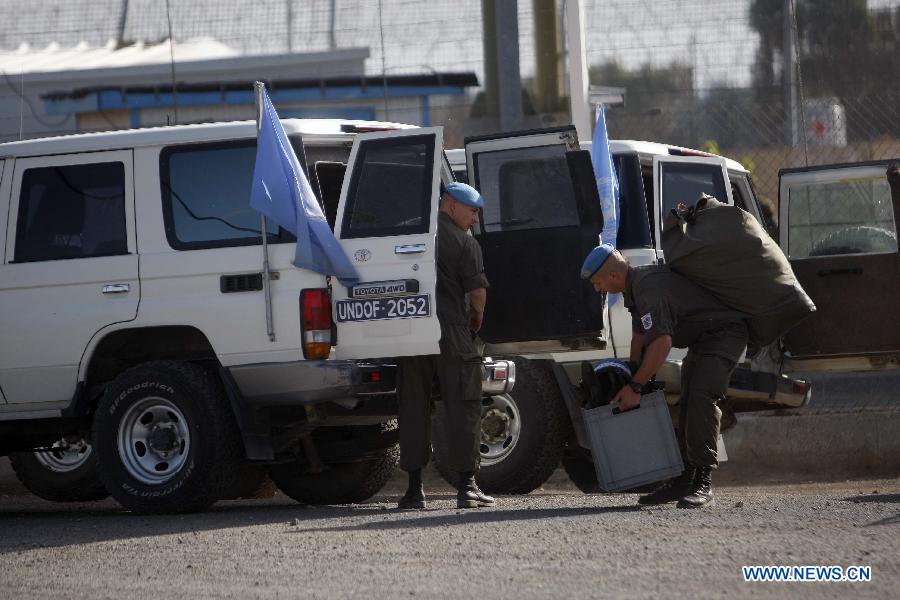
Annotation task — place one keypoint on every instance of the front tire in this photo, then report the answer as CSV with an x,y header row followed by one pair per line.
x,y
165,438
522,433
67,472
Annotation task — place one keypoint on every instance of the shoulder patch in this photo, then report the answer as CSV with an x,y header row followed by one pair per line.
x,y
647,321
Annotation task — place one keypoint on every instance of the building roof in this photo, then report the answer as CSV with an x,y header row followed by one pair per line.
x,y
56,58
198,60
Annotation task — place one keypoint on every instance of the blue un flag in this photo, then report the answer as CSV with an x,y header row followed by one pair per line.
x,y
607,182
281,191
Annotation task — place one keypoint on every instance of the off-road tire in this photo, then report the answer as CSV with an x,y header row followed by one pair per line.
x,y
339,483
543,431
580,469
207,463
78,484
252,483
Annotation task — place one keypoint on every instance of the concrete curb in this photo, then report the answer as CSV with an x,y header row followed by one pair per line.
x,y
851,444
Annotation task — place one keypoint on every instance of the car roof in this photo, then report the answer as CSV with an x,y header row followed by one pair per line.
x,y
457,156
179,134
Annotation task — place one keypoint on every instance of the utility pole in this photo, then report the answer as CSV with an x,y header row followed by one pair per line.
x,y
789,76
489,43
546,54
509,74
578,73
290,25
502,79
123,19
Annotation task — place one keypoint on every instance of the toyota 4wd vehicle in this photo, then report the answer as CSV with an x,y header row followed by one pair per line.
x,y
135,352
838,229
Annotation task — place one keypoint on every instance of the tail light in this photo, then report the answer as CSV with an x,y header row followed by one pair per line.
x,y
315,318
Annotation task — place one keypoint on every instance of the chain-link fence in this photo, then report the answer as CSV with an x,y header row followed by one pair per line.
x,y
771,83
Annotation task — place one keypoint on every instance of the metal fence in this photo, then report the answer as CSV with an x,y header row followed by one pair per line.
x,y
771,83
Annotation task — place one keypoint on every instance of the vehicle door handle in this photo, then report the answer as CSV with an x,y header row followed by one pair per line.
x,y
847,271
116,288
410,249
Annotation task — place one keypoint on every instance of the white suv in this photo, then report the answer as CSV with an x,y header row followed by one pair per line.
x,y
134,352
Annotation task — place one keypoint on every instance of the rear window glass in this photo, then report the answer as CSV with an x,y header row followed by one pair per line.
x,y
206,196
851,216
71,211
684,182
526,188
391,188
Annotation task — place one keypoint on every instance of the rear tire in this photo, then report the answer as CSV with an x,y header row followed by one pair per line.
x,y
580,469
523,433
166,439
68,473
339,483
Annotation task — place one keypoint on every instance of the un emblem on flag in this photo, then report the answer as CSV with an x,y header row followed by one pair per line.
x,y
362,255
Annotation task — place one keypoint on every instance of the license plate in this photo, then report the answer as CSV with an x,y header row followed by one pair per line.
x,y
379,309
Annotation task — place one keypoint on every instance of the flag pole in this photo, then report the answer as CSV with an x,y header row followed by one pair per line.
x,y
266,275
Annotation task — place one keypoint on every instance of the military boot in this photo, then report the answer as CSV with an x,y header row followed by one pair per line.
x,y
672,490
415,492
469,495
484,499
701,492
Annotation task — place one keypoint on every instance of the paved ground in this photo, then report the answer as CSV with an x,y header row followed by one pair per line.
x,y
784,499
556,542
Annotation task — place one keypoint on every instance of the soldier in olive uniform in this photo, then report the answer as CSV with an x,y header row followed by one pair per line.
x,y
669,310
461,296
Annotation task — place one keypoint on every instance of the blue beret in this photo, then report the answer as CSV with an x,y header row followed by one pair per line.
x,y
466,194
595,260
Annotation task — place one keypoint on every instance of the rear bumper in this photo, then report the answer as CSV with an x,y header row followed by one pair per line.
x,y
751,391
311,382
748,390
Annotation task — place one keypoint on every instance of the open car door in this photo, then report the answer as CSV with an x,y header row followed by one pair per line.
x,y
387,225
540,219
682,179
838,228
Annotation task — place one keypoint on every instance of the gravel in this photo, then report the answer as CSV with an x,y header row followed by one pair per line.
x,y
555,542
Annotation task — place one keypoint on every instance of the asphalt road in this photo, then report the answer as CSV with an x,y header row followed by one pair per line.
x,y
555,542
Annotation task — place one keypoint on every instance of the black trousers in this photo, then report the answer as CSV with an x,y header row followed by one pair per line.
x,y
705,373
458,369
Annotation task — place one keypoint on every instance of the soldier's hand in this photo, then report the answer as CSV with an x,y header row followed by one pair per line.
x,y
626,399
475,320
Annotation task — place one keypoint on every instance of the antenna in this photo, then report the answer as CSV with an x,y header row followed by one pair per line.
x,y
172,62
383,69
21,103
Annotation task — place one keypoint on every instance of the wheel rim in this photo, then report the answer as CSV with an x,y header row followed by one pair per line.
x,y
500,428
154,440
65,456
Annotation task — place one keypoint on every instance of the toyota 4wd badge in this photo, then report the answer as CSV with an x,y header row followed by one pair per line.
x,y
362,255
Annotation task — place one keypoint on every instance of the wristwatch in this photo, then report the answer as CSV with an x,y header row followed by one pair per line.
x,y
637,387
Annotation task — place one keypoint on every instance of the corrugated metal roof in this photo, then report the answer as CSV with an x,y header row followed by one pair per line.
x,y
55,58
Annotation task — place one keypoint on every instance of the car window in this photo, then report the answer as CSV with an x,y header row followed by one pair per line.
x,y
850,216
634,224
684,182
390,188
206,196
71,211
526,188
